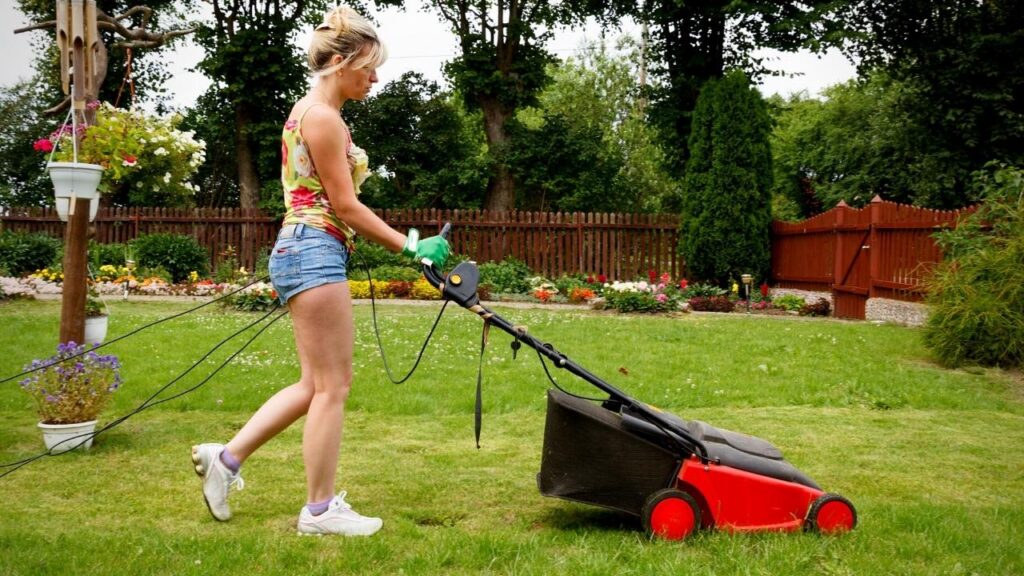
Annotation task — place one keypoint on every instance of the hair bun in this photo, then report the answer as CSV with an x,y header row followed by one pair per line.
x,y
338,20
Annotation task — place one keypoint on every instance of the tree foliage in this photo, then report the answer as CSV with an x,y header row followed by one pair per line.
x,y
501,67
258,73
693,42
587,146
726,215
961,82
424,149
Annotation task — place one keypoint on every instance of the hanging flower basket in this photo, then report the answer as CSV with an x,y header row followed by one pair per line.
x,y
72,180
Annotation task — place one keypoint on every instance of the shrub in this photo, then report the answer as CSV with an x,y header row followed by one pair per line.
x,y
371,255
705,290
977,293
422,290
566,284
640,297
256,298
712,304
510,276
23,253
819,308
112,254
789,302
402,273
177,254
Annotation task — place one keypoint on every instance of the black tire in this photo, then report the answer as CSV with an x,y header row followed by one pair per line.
x,y
671,514
829,514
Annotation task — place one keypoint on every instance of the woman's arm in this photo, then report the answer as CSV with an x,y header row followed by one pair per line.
x,y
324,134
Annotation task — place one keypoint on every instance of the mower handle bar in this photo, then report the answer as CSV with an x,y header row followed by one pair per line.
x,y
437,278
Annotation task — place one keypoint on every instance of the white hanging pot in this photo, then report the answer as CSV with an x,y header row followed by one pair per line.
x,y
73,180
96,329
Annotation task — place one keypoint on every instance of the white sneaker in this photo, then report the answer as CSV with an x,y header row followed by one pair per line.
x,y
339,518
217,479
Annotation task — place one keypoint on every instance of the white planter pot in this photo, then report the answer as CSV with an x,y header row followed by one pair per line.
x,y
96,329
63,437
73,180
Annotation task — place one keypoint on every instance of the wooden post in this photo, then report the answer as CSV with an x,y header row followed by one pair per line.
x,y
76,236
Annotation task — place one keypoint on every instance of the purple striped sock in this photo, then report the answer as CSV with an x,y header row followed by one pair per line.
x,y
318,508
228,459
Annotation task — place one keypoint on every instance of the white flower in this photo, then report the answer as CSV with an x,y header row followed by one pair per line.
x,y
300,158
167,178
161,151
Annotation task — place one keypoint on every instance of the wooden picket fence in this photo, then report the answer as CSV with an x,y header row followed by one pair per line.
x,y
884,250
620,246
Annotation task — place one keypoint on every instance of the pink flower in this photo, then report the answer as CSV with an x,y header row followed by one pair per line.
x,y
291,124
665,278
93,105
43,145
661,298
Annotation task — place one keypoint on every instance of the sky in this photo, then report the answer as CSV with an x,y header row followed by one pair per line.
x,y
416,41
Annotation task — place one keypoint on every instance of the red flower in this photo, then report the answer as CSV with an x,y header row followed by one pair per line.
x,y
652,275
43,145
301,197
764,290
590,279
682,284
665,278
602,278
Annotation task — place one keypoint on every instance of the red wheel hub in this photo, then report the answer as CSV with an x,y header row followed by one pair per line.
x,y
672,519
835,516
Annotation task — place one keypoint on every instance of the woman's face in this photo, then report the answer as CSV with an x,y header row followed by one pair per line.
x,y
357,82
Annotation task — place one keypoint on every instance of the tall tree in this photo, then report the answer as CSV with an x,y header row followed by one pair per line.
x,y
726,218
423,149
962,80
501,66
693,42
257,70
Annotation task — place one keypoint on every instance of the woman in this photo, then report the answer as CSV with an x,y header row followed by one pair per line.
x,y
321,172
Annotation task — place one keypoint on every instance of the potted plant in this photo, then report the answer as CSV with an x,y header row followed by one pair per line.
x,y
96,319
136,158
70,390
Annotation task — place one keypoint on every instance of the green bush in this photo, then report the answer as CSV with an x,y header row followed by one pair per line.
x,y
371,255
179,255
565,284
789,302
402,273
23,253
510,276
113,254
977,293
699,290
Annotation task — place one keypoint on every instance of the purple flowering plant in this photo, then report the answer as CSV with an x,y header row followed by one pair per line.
x,y
72,386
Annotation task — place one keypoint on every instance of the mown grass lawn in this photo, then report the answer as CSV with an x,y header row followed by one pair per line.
x,y
931,457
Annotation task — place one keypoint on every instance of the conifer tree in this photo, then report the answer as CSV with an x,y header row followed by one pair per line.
x,y
726,216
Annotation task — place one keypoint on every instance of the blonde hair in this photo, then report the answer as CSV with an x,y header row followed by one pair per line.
x,y
344,32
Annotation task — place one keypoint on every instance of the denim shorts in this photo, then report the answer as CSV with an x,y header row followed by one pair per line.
x,y
305,257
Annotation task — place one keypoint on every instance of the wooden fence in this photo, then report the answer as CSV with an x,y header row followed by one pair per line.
x,y
620,246
884,250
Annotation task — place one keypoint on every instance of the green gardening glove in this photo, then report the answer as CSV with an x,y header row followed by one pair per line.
x,y
433,250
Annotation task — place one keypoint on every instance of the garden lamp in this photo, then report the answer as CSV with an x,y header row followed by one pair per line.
x,y
747,282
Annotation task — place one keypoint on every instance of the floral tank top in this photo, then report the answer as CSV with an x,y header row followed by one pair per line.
x,y
305,199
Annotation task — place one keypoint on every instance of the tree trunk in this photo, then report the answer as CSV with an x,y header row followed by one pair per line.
x,y
501,194
248,181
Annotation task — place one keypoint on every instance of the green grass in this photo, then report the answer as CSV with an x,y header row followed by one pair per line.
x,y
931,457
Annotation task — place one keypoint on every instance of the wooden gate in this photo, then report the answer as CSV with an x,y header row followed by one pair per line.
x,y
884,250
852,274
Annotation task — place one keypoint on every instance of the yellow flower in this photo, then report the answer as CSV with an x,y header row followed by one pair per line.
x,y
735,288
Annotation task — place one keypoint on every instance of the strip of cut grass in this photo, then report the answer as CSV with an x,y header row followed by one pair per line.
x,y
930,456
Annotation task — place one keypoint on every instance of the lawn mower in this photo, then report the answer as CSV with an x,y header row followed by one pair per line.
x,y
676,475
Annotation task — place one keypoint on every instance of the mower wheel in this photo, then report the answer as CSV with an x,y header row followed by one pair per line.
x,y
670,514
829,514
